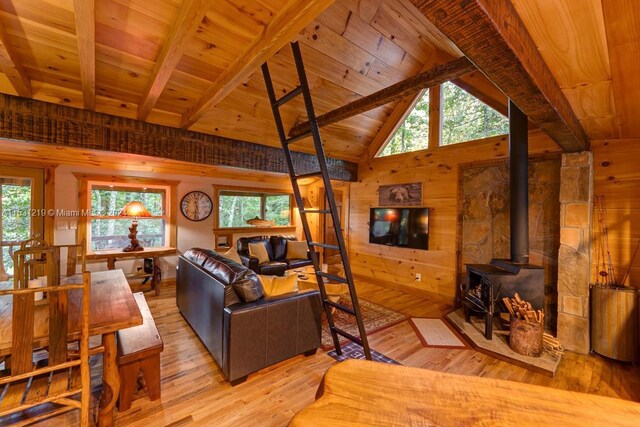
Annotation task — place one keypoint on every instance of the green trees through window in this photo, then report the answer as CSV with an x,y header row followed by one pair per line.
x,y
413,133
15,223
235,208
463,117
108,231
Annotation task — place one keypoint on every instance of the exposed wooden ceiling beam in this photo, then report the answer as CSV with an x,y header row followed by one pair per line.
x,y
493,37
282,28
85,13
29,120
14,70
190,15
437,75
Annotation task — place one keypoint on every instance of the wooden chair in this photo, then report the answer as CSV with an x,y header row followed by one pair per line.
x,y
57,378
74,255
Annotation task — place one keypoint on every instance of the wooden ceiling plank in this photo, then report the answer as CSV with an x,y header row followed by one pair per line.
x,y
494,38
85,14
622,25
190,15
11,66
396,92
289,21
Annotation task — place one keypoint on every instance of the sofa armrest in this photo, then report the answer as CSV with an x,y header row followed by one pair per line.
x,y
270,330
250,262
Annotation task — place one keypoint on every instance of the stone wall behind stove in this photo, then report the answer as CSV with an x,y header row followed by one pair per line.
x,y
485,219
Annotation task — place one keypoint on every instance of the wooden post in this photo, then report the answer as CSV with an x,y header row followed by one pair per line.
x,y
434,116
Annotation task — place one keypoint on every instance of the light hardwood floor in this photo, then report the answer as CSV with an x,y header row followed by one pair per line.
x,y
194,391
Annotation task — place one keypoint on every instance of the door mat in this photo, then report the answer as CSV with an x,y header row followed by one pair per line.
x,y
437,333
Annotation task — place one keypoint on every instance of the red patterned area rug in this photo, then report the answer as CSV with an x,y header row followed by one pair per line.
x,y
375,317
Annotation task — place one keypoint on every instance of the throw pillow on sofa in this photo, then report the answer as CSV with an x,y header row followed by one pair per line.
x,y
232,254
249,288
259,251
297,250
277,285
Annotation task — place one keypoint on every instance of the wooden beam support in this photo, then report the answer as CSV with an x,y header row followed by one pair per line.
x,y
282,28
492,35
27,120
85,13
190,15
14,70
437,75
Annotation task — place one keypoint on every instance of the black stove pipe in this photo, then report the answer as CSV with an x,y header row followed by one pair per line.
x,y
519,184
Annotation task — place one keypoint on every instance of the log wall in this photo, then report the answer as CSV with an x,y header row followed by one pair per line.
x,y
617,177
438,170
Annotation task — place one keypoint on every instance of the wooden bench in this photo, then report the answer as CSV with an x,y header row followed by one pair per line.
x,y
139,349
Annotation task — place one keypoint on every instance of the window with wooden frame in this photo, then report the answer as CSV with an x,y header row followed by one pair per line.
x,y
101,198
444,115
236,206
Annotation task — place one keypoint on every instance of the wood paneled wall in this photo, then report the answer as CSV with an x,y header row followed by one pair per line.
x,y
438,170
617,178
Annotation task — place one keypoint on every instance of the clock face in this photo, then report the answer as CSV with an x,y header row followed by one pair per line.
x,y
196,206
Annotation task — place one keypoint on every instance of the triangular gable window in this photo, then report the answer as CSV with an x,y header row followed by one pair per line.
x,y
466,118
463,118
413,133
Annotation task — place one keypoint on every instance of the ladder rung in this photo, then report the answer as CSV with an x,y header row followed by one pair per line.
x,y
324,245
347,335
288,97
340,307
297,138
318,211
308,175
333,277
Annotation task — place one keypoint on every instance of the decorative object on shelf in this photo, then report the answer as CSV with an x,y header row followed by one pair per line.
x,y
400,194
196,206
258,222
134,210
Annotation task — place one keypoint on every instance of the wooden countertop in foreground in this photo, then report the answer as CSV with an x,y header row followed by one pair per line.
x,y
362,393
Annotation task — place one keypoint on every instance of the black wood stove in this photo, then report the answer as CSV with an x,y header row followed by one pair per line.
x,y
487,284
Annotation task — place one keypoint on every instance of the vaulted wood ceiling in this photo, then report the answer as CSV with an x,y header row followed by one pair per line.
x,y
195,63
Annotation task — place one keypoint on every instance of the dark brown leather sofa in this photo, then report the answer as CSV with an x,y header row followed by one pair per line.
x,y
243,330
276,249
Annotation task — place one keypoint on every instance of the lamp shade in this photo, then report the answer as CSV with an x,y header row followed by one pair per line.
x,y
134,209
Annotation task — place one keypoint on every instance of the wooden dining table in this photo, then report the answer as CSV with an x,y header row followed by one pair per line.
x,y
113,307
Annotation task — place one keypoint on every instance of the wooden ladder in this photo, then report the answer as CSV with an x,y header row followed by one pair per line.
x,y
303,89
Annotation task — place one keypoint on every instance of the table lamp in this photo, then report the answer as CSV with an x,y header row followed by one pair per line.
x,y
134,210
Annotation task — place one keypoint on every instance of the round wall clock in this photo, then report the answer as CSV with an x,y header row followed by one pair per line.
x,y
196,205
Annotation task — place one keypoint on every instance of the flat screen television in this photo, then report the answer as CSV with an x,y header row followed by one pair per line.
x,y
404,227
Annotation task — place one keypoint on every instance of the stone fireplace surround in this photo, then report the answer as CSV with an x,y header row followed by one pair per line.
x,y
560,197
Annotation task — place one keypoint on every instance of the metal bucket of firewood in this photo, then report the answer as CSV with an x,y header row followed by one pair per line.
x,y
526,337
